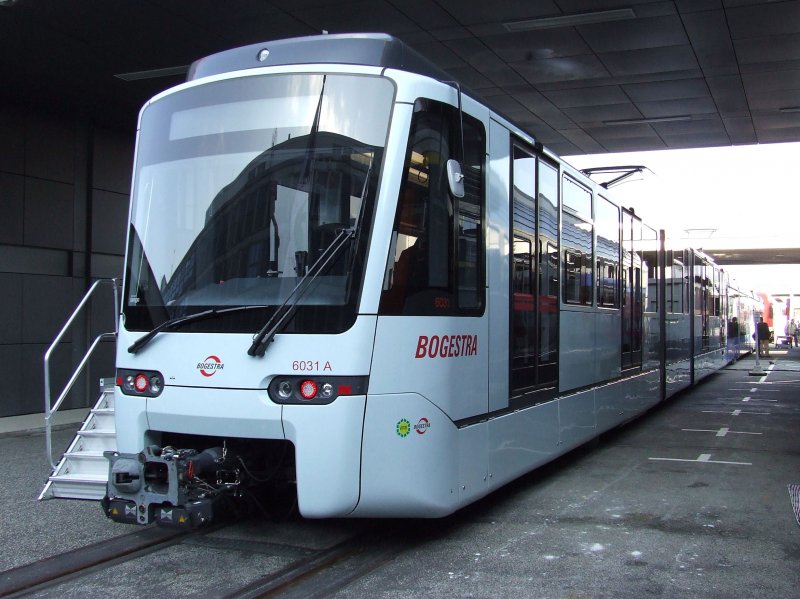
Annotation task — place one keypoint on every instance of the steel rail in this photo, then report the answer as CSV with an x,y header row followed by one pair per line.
x,y
54,569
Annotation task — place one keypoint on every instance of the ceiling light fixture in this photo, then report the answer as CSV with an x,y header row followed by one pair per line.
x,y
583,18
660,119
153,73
790,109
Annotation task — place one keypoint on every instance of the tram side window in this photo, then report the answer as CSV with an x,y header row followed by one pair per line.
x,y
607,223
677,288
650,272
436,261
576,239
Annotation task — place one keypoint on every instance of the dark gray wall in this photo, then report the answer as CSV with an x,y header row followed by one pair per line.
x,y
64,190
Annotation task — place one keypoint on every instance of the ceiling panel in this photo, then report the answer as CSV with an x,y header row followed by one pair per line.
x,y
642,7
536,45
684,106
611,112
729,96
634,144
710,39
773,79
777,136
712,124
474,52
774,48
763,20
573,68
690,6
472,12
431,14
588,96
666,90
632,131
634,34
371,15
740,130
774,100
730,64
583,140
696,139
649,60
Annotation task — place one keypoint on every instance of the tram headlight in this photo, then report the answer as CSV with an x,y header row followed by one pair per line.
x,y
141,383
156,385
285,389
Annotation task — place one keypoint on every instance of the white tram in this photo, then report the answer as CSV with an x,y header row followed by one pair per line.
x,y
345,274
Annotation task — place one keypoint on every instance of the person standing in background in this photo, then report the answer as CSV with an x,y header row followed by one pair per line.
x,y
762,329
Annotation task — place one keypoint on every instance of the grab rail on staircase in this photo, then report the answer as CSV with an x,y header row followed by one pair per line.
x,y
49,408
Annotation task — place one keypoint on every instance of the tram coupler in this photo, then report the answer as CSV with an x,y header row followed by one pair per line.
x,y
171,487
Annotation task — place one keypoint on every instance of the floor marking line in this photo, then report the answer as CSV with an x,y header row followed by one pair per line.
x,y
760,399
734,413
720,432
703,458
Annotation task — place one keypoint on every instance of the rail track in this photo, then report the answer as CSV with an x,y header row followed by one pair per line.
x,y
248,559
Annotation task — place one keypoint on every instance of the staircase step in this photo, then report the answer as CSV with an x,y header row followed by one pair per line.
x,y
82,472
86,454
106,401
80,478
78,486
96,441
85,462
102,420
98,432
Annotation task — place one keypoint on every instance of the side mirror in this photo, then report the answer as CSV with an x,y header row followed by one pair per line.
x,y
455,178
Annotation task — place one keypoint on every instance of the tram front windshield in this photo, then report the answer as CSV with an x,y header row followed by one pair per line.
x,y
240,186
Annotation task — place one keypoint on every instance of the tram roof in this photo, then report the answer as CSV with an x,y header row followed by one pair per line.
x,y
368,49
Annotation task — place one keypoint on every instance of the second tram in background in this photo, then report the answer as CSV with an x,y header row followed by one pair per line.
x,y
345,275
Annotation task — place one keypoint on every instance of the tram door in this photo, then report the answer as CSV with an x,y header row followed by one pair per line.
x,y
534,279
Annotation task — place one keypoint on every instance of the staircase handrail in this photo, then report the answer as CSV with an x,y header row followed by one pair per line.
x,y
49,409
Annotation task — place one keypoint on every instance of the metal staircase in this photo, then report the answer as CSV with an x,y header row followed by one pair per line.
x,y
82,472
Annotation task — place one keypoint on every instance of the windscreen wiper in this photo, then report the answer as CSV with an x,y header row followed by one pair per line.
x,y
286,310
179,321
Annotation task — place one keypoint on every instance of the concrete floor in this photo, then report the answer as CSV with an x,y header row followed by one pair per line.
x,y
689,501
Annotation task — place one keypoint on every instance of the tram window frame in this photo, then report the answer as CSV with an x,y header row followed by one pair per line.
x,y
649,247
677,285
633,297
448,279
578,256
607,226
